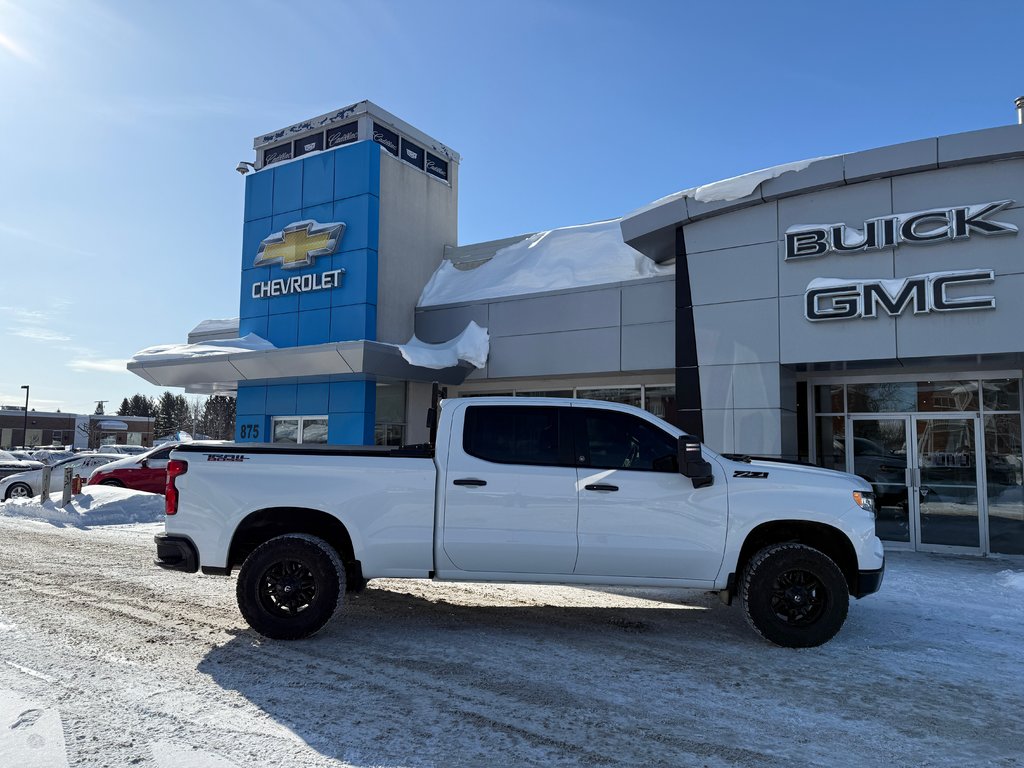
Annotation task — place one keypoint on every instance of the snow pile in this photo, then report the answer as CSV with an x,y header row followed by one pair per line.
x,y
96,505
248,343
741,186
731,189
569,257
472,345
217,325
1012,579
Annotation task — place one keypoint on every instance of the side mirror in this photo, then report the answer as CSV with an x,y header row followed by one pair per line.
x,y
692,463
144,463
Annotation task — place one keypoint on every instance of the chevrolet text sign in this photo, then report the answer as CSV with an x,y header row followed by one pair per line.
x,y
297,246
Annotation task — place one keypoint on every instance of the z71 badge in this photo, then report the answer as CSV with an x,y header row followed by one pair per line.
x,y
754,475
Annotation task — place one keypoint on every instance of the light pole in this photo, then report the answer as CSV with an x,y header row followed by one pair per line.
x,y
24,431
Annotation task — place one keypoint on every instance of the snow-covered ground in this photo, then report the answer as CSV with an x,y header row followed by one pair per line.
x,y
95,505
105,660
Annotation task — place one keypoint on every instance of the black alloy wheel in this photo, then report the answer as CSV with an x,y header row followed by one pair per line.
x,y
799,598
290,586
287,587
794,595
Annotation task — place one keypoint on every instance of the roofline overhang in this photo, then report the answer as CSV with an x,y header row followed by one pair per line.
x,y
335,361
652,228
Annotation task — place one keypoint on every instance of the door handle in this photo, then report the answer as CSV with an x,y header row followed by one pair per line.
x,y
471,481
601,487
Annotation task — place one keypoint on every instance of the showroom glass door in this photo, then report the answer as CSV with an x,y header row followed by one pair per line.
x,y
946,478
926,487
876,449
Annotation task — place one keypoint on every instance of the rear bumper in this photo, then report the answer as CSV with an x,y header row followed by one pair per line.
x,y
869,581
176,553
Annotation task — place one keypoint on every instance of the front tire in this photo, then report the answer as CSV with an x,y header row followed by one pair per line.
x,y
794,596
112,483
19,491
290,586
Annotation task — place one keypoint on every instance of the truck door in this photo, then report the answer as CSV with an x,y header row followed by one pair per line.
x,y
639,516
510,491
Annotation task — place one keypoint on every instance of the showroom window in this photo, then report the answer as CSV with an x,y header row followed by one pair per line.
x,y
299,429
389,424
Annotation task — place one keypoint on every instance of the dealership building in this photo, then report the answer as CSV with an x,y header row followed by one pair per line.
x,y
859,312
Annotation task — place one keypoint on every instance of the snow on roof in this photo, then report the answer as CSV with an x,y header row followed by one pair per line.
x,y
248,343
733,188
472,345
568,257
216,325
95,505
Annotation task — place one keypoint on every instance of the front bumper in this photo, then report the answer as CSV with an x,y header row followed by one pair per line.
x,y
176,553
869,581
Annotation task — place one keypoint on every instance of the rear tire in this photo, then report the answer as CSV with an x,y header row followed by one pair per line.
x,y
290,586
794,596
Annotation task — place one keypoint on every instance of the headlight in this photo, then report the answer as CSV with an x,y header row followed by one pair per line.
x,y
865,500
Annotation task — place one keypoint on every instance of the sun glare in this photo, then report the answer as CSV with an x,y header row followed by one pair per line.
x,y
14,48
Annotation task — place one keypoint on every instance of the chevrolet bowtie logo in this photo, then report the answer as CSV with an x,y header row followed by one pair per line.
x,y
298,244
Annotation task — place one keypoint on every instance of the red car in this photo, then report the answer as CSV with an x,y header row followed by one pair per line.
x,y
145,472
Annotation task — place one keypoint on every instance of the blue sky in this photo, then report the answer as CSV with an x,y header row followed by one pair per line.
x,y
121,124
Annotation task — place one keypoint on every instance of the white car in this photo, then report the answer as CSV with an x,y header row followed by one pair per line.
x,y
123,450
51,455
25,485
11,464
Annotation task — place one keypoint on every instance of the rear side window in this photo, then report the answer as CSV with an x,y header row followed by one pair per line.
x,y
518,435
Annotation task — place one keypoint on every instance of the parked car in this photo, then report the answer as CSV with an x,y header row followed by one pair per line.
x,y
25,485
145,472
124,450
51,455
12,465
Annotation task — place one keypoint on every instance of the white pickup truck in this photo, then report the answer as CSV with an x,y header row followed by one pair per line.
x,y
525,490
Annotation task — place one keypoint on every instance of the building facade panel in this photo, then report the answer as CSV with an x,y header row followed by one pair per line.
x,y
549,354
911,156
565,311
759,224
737,332
648,347
648,301
740,273
970,184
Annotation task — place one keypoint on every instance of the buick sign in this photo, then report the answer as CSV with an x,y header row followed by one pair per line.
x,y
920,228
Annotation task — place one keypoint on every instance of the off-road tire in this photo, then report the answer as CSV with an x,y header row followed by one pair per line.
x,y
290,586
112,483
794,596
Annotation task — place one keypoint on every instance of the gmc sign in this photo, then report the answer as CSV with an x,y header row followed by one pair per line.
x,y
836,299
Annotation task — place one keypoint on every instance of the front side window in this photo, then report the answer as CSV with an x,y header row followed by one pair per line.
x,y
613,440
518,435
